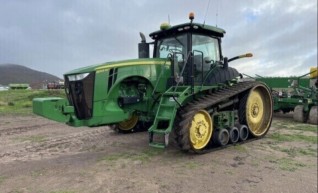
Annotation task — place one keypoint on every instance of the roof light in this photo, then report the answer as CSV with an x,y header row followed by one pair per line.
x,y
191,16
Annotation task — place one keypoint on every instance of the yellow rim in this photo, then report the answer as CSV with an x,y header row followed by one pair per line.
x,y
128,124
201,129
258,111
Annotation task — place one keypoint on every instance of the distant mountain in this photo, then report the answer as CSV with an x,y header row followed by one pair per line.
x,y
13,73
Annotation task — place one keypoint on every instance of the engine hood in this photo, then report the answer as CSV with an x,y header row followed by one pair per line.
x,y
118,64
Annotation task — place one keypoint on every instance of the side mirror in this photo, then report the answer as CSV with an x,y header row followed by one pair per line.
x,y
225,63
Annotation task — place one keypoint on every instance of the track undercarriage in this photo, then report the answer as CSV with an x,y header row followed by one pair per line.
x,y
249,105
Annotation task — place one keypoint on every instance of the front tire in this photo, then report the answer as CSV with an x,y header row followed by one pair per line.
x,y
128,125
195,130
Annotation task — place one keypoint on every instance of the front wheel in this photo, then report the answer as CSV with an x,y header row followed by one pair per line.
x,y
128,125
195,130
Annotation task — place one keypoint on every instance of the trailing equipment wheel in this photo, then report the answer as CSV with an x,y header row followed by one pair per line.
x,y
234,135
221,137
256,110
194,131
313,115
299,114
128,125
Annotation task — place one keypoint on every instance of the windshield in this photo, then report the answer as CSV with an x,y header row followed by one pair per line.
x,y
176,44
207,46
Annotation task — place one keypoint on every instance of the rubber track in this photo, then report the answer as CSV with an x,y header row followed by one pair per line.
x,y
186,113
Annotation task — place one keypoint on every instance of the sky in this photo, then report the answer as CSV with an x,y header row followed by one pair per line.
x,y
57,36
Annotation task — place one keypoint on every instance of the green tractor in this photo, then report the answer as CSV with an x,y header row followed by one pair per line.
x,y
186,90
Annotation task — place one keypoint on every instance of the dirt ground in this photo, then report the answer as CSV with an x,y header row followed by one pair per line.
x,y
38,155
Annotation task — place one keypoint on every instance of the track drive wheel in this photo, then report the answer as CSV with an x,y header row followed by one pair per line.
x,y
313,115
128,125
194,131
299,114
256,110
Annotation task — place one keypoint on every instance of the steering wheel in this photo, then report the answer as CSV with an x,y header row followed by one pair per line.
x,y
174,50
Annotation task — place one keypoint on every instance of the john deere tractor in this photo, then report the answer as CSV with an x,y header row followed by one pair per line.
x,y
186,89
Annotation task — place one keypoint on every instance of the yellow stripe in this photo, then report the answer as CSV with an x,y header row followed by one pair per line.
x,y
131,64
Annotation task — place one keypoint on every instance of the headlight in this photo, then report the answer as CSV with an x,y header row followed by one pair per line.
x,y
76,77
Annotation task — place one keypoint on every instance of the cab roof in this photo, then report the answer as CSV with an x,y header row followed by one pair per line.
x,y
188,27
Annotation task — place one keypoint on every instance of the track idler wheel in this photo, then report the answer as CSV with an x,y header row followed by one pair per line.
x,y
313,115
256,110
221,137
299,114
234,135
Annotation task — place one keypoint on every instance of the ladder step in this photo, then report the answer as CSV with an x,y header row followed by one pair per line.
x,y
171,94
167,105
157,145
159,131
163,118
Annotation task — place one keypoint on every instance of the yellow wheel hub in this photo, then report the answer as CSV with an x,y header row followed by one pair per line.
x,y
258,111
128,124
201,129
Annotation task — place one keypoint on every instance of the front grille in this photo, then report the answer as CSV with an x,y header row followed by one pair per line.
x,y
80,94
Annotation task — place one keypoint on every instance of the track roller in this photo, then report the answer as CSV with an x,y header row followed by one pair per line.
x,y
313,115
299,114
221,137
243,130
234,135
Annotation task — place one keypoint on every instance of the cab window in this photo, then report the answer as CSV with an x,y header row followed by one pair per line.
x,y
205,51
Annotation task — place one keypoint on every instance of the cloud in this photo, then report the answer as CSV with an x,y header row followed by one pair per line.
x,y
57,36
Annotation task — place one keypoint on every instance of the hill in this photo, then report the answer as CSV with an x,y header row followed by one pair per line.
x,y
13,73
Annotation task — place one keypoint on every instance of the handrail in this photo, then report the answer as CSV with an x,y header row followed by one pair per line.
x,y
181,73
161,72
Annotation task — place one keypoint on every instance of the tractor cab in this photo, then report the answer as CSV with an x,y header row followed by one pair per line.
x,y
194,49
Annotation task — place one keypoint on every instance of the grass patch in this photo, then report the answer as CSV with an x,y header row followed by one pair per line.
x,y
294,151
255,162
191,165
143,156
16,191
289,165
33,138
294,126
2,179
286,164
308,151
306,127
239,148
37,173
62,191
296,137
20,101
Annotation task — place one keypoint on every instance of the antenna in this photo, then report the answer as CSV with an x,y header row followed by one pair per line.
x,y
217,13
206,12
